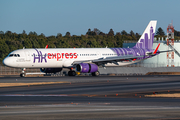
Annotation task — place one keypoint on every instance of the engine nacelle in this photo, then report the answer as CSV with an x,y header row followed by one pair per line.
x,y
86,68
50,70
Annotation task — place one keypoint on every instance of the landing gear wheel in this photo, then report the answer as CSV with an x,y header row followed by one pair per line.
x,y
96,73
72,73
23,72
22,75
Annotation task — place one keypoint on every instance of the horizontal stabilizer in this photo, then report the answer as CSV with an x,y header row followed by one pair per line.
x,y
155,51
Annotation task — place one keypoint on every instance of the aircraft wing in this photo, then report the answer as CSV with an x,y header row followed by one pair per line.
x,y
105,60
116,59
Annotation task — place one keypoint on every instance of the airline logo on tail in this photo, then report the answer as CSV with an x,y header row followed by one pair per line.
x,y
146,40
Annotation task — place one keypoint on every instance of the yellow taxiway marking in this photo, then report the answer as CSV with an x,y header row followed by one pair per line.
x,y
164,95
27,84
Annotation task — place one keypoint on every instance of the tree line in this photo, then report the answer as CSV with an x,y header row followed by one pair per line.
x,y
160,33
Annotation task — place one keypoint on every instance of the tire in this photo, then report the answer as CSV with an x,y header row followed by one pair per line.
x,y
95,73
22,75
69,73
72,73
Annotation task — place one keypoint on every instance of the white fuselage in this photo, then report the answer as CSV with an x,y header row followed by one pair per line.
x,y
58,57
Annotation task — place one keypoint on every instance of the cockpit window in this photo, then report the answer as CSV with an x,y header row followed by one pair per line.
x,y
10,55
14,55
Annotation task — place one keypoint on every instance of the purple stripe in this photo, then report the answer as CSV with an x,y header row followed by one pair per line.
x,y
124,51
120,50
114,49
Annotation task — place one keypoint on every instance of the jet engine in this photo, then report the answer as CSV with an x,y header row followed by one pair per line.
x,y
86,68
50,70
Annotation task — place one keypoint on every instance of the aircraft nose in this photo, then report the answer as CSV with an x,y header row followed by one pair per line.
x,y
6,62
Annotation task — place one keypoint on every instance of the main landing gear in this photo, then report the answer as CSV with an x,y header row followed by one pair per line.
x,y
23,72
72,72
95,73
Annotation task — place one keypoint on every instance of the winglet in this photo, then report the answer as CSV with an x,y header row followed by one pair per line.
x,y
156,49
46,47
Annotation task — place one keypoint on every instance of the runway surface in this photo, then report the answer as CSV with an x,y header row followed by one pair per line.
x,y
102,97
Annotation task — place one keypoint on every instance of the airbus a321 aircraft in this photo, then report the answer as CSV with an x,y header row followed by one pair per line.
x,y
84,60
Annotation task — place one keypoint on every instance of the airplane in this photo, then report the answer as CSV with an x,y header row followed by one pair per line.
x,y
83,60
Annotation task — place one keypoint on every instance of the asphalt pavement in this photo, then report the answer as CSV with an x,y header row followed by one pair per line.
x,y
104,97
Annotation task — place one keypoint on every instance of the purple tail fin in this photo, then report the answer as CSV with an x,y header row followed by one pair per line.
x,y
146,40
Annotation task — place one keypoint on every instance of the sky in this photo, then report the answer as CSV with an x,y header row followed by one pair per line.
x,y
77,16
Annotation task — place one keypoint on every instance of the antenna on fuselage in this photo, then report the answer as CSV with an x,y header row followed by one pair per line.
x,y
23,47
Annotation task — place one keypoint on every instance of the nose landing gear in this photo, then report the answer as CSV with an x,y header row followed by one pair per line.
x,y
23,72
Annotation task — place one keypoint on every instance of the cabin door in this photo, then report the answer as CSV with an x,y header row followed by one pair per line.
x,y
28,56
